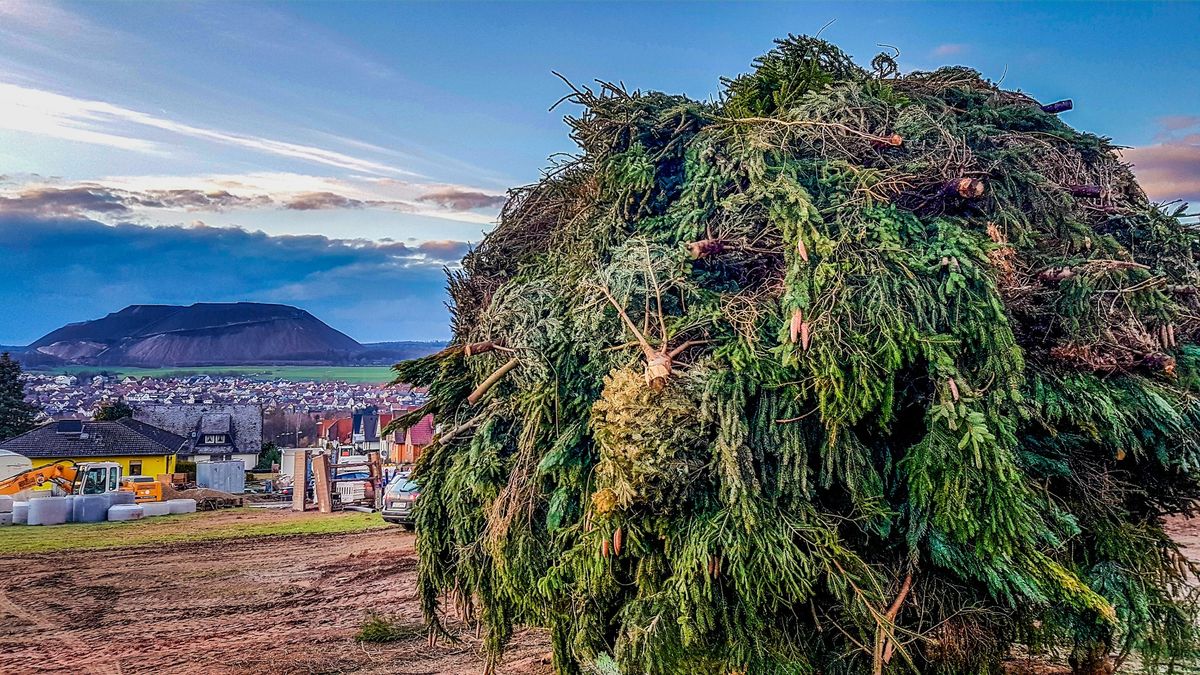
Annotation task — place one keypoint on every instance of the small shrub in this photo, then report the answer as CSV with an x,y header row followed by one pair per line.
x,y
377,627
183,466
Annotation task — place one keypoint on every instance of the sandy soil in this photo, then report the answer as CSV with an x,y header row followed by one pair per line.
x,y
259,605
283,604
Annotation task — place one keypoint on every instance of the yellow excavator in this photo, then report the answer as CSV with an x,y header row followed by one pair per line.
x,y
82,478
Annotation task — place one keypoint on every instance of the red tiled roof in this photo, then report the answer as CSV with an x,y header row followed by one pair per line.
x,y
336,429
422,433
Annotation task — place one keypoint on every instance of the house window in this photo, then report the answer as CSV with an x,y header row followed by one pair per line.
x,y
214,439
135,468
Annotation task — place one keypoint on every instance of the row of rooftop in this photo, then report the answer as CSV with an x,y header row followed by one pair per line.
x,y
70,396
159,435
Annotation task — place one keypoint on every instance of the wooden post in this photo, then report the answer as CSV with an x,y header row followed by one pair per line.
x,y
299,479
376,469
321,488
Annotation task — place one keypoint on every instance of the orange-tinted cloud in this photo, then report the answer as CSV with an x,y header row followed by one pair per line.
x,y
462,200
1170,169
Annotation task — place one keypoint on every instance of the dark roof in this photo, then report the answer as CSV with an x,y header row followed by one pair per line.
x,y
94,439
367,424
241,422
215,424
161,436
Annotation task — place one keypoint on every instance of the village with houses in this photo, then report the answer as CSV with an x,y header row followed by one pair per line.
x,y
66,396
176,430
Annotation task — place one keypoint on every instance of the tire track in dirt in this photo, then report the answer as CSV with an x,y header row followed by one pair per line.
x,y
65,637
284,604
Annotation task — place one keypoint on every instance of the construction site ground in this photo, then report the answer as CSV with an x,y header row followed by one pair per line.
x,y
265,603
245,591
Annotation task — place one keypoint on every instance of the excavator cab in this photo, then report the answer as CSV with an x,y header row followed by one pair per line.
x,y
96,478
83,478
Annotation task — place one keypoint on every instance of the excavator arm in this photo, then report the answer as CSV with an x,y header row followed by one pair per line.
x,y
62,474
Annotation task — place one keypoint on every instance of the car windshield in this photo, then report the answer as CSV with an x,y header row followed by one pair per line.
x,y
402,485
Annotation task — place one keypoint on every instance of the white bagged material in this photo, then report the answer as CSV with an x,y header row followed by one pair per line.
x,y
49,510
71,508
123,497
155,508
118,512
90,508
20,513
182,505
6,519
6,504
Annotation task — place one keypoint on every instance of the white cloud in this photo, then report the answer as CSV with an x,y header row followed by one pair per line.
x,y
30,110
37,112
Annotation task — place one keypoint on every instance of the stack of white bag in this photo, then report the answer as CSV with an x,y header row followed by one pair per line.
x,y
151,509
182,505
119,512
49,510
20,513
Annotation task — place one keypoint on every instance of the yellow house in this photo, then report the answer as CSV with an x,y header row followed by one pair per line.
x,y
140,449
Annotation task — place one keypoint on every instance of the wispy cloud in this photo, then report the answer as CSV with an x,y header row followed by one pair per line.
x,y
950,49
38,111
1179,122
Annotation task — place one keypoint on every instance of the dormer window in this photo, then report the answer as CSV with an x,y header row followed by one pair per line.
x,y
214,439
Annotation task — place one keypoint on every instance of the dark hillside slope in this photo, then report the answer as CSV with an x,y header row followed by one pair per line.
x,y
200,334
116,326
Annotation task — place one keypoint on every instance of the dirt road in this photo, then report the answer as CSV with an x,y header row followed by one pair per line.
x,y
283,604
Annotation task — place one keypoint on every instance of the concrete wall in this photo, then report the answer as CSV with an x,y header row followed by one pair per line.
x,y
249,460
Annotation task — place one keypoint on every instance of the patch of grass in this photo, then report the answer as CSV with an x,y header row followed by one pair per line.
x,y
206,526
377,627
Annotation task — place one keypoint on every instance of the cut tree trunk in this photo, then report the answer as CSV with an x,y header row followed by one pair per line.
x,y
705,248
481,347
1058,106
1091,191
967,188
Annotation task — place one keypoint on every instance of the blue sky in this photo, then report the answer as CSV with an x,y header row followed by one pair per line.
x,y
337,156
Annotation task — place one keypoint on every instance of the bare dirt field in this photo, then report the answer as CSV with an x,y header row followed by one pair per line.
x,y
263,604
286,603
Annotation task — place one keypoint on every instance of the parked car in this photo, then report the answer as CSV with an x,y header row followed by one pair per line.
x,y
398,500
354,487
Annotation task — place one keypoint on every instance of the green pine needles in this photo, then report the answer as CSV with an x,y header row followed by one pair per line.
x,y
846,372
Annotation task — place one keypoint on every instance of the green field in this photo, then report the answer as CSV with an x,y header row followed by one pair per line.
x,y
203,526
354,374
